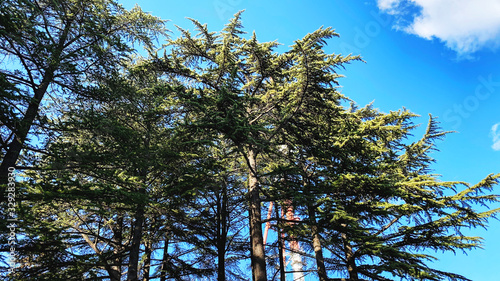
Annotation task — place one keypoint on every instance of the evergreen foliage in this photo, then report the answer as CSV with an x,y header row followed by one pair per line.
x,y
57,49
161,168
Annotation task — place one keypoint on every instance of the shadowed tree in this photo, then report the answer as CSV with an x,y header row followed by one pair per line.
x,y
55,49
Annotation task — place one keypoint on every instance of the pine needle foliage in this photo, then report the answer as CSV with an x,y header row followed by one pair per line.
x,y
160,167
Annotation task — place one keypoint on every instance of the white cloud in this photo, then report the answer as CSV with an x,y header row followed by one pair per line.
x,y
463,25
495,134
387,5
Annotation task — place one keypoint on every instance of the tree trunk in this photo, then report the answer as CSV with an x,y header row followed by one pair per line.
x,y
281,248
118,249
133,266
350,261
295,257
147,261
164,261
114,275
256,239
222,234
21,133
14,148
318,251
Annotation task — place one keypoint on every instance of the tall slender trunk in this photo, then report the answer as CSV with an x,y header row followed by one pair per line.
x,y
252,264
268,223
22,130
135,249
147,262
318,251
295,257
164,261
256,239
117,250
350,260
222,234
281,248
133,266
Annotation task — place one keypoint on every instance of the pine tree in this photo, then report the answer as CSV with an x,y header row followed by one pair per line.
x,y
246,91
371,201
57,48
100,171
152,171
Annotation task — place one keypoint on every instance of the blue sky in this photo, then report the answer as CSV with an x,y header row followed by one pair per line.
x,y
437,57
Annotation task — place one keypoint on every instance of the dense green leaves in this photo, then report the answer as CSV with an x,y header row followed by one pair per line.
x,y
56,50
158,168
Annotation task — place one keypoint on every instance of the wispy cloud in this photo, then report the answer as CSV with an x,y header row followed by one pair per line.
x,y
495,134
463,25
388,5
